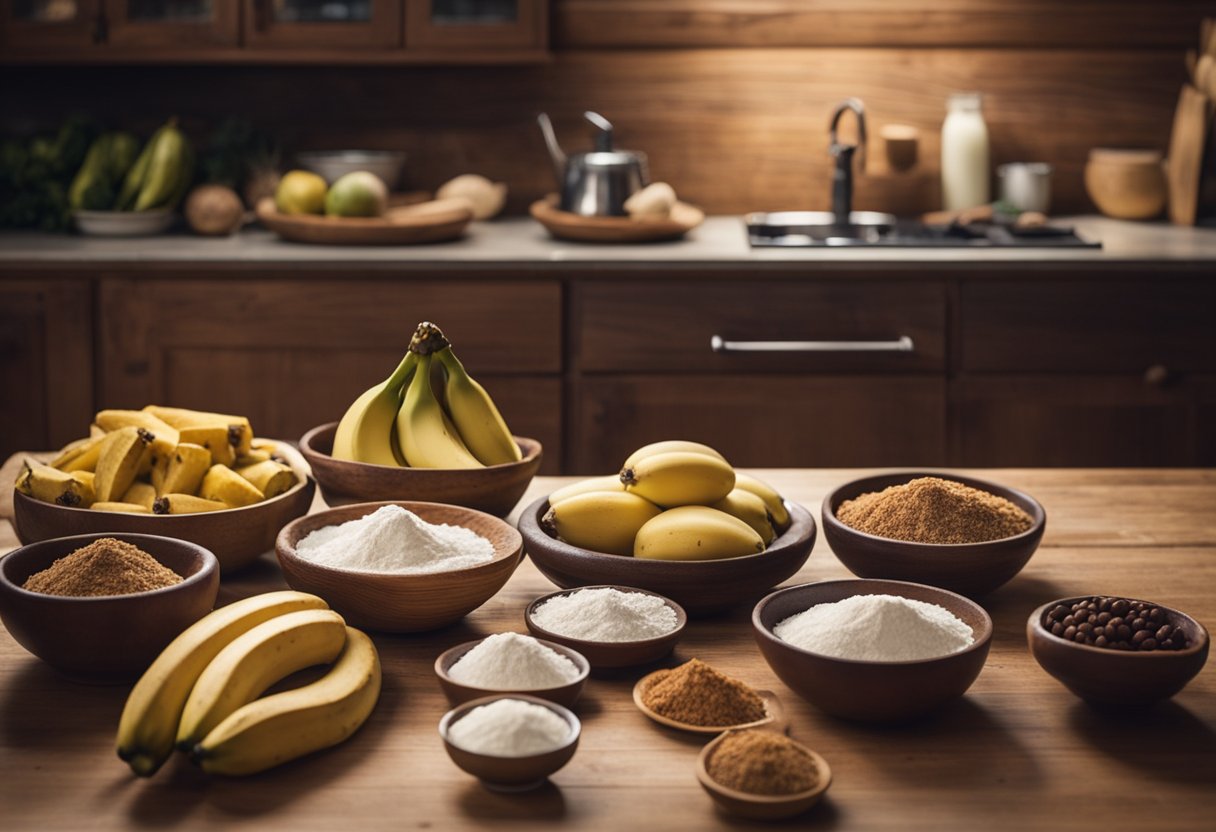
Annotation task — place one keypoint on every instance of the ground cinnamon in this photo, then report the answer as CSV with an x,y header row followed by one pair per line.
x,y
934,510
762,762
104,567
696,694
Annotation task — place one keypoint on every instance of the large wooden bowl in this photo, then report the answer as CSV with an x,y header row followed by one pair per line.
x,y
237,535
494,489
699,587
402,603
565,225
428,222
109,638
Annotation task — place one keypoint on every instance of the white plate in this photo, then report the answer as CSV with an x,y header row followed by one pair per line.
x,y
122,223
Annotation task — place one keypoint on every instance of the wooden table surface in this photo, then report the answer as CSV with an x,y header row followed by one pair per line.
x,y
1019,752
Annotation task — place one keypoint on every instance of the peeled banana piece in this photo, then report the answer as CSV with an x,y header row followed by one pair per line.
x,y
123,453
608,482
475,415
772,500
602,521
750,509
667,446
185,504
367,431
182,471
216,438
427,437
164,437
240,432
121,508
50,485
679,478
696,533
271,477
140,494
224,485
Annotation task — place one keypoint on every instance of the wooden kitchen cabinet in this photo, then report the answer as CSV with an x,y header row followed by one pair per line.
x,y
51,24
436,25
322,24
172,23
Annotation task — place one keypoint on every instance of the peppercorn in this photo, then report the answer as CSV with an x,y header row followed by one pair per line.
x,y
1115,624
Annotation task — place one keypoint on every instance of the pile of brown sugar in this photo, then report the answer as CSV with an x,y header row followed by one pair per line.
x,y
762,762
696,694
933,510
104,567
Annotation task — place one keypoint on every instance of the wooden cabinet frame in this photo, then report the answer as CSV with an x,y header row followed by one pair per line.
x,y
224,28
81,32
382,31
529,31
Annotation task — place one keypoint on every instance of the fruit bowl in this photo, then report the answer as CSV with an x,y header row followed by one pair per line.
x,y
699,587
494,489
236,535
123,223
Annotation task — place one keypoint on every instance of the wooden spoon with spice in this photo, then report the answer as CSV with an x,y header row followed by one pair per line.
x,y
697,698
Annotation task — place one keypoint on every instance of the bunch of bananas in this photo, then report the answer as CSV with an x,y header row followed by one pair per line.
x,y
161,174
161,460
402,422
201,694
673,500
96,184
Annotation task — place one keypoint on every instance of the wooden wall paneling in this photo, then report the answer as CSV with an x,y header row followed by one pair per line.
x,y
70,359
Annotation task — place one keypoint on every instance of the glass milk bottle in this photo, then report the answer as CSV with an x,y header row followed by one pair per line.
x,y
964,154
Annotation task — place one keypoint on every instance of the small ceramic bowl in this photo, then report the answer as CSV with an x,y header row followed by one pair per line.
x,y
458,692
494,489
123,223
605,654
971,569
402,603
510,774
869,691
109,638
761,806
237,536
699,587
1115,677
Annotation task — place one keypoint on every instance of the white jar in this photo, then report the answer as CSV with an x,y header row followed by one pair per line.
x,y
964,154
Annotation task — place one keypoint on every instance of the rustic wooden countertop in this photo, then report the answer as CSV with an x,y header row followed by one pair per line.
x,y
1019,752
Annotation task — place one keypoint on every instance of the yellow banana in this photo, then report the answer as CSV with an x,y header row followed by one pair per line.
x,y
140,494
164,437
367,432
227,486
182,471
121,508
271,477
603,521
165,169
426,435
50,485
154,707
251,458
475,415
696,533
216,438
71,451
254,661
283,726
240,433
185,504
772,500
124,452
608,482
751,510
667,446
679,478
85,478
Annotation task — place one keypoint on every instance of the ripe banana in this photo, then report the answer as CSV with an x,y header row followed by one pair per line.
x,y
73,451
667,446
679,478
121,508
603,521
772,500
474,414
254,661
367,432
50,485
182,471
216,438
163,180
751,510
86,459
185,504
140,494
228,487
281,727
154,708
124,452
608,482
427,436
136,175
271,477
696,533
251,458
164,437
240,433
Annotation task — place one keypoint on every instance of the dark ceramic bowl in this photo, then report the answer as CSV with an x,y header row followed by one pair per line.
x,y
1115,677
108,638
604,654
761,806
457,692
510,774
402,603
869,691
494,489
700,587
971,569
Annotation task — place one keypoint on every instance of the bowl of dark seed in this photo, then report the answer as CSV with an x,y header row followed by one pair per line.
x,y
953,532
1117,651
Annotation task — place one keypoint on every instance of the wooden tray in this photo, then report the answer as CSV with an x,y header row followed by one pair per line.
x,y
567,226
427,222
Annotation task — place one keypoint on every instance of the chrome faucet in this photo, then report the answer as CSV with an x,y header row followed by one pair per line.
x,y
842,177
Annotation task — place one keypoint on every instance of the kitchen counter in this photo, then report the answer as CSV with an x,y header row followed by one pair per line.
x,y
520,243
1019,752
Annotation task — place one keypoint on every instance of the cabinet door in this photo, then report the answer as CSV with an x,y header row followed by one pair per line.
x,y
474,24
322,23
173,23
42,24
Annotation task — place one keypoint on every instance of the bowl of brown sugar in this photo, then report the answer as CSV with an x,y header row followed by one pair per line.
x,y
100,608
958,533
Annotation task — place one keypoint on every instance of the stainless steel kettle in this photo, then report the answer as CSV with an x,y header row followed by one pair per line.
x,y
595,184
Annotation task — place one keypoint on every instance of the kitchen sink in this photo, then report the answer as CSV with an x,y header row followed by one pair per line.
x,y
865,229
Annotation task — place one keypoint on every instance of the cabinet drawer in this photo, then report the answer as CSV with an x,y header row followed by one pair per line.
x,y
668,326
1088,326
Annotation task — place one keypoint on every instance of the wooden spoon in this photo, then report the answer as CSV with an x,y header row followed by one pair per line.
x,y
775,713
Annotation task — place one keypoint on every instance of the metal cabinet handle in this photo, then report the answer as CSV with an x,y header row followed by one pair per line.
x,y
901,344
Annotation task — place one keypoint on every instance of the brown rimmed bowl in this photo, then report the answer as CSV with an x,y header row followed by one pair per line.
x,y
1107,677
237,536
458,692
107,638
867,691
606,654
700,587
402,603
761,806
510,774
971,569
494,489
